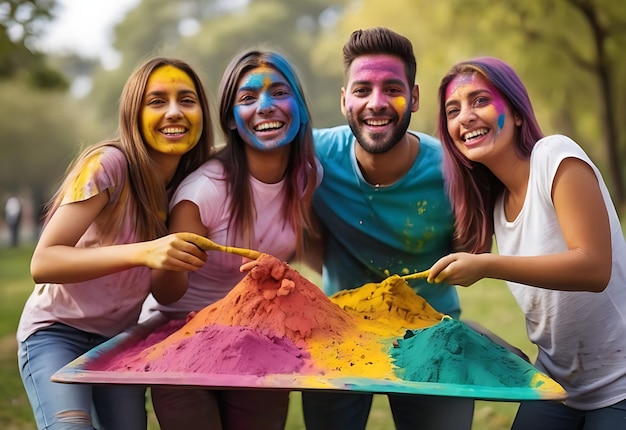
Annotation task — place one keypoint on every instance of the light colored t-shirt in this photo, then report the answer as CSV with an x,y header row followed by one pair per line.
x,y
374,232
273,234
581,336
105,305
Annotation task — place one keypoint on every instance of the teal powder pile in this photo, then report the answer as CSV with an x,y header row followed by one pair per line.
x,y
452,353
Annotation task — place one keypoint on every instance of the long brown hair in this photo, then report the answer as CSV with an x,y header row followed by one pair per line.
x,y
146,193
472,187
301,175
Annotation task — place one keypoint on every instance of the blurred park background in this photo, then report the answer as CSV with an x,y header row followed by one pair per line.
x,y
570,54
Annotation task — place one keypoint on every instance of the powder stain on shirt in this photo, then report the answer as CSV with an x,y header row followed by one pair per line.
x,y
82,187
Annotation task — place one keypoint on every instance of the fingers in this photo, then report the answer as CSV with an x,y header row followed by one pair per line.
x,y
174,253
246,267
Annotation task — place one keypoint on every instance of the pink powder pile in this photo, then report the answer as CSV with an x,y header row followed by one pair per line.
x,y
221,349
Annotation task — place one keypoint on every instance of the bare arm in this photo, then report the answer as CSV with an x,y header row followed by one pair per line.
x,y
56,258
168,286
585,266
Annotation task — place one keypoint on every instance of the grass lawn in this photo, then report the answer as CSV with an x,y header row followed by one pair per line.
x,y
488,302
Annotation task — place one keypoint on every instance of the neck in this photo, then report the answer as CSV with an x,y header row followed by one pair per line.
x,y
167,165
268,166
389,167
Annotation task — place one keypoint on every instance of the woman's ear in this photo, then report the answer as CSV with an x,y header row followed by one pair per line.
x,y
231,123
518,119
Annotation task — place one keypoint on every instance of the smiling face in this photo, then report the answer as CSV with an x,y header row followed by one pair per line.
x,y
377,101
478,117
266,112
171,114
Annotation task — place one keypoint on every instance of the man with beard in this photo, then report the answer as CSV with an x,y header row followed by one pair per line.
x,y
382,210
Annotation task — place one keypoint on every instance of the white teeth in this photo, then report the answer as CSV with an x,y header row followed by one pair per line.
x,y
173,130
475,133
377,123
269,126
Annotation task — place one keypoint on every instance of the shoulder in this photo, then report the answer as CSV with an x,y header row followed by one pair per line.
x,y
554,148
430,147
428,141
330,140
104,161
112,159
205,183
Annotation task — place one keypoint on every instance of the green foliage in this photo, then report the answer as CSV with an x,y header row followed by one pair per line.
x,y
20,23
40,133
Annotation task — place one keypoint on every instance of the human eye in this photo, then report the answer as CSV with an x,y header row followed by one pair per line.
x,y
246,98
395,91
154,101
281,92
482,100
190,100
360,91
452,111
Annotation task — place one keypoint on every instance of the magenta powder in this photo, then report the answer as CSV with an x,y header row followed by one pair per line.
x,y
451,352
219,349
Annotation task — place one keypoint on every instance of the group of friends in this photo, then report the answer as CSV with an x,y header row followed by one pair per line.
x,y
356,202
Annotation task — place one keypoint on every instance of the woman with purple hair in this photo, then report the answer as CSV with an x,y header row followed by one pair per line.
x,y
560,247
254,193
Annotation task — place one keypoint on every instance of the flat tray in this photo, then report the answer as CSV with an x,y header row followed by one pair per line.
x,y
81,371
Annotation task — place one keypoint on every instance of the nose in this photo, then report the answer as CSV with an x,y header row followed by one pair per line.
x,y
467,116
266,104
377,100
174,111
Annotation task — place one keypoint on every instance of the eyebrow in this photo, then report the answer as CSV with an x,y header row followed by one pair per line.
x,y
162,93
256,88
470,95
386,82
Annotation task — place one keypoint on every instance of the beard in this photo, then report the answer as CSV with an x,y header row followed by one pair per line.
x,y
378,143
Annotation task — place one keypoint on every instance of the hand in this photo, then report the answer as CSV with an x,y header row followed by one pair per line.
x,y
177,252
460,268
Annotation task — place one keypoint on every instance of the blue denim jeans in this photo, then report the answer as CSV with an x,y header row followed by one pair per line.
x,y
70,406
348,411
557,416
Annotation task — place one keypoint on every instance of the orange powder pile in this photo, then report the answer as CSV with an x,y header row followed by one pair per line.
x,y
275,308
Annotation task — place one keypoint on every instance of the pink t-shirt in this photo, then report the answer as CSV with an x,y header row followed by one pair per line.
x,y
105,305
207,188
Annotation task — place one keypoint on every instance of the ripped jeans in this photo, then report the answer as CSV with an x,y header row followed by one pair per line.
x,y
74,406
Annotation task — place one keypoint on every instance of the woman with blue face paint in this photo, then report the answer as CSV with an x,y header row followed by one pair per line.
x,y
254,193
560,246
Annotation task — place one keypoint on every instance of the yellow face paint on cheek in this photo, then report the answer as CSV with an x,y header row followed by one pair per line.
x,y
399,104
171,115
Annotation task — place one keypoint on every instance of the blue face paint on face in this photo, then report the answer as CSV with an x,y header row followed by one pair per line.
x,y
266,113
500,124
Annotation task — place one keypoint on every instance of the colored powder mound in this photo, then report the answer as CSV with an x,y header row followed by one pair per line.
x,y
391,304
130,358
277,322
451,352
230,350
382,312
273,299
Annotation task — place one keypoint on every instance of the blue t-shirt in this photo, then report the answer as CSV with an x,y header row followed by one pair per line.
x,y
374,232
